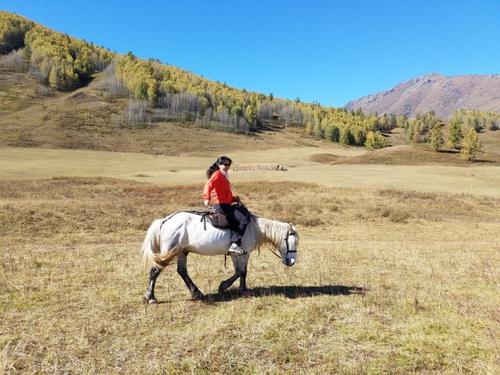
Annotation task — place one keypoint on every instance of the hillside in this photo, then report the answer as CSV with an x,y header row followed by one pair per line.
x,y
159,92
57,91
87,118
434,92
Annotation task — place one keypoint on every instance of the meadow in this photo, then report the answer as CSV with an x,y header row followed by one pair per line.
x,y
399,256
397,267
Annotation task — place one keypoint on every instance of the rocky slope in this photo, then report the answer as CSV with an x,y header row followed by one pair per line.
x,y
435,92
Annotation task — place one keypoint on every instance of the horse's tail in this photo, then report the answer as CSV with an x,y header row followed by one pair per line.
x,y
151,245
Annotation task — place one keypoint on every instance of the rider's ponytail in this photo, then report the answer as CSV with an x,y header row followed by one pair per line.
x,y
211,170
215,166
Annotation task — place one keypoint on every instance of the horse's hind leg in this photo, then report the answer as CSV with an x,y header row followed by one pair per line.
x,y
182,270
149,296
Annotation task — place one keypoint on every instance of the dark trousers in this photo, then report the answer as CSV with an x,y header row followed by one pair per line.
x,y
237,219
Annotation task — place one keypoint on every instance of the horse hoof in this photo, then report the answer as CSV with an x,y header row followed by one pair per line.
x,y
149,301
198,296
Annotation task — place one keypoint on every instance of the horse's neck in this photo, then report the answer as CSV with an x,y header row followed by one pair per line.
x,y
271,230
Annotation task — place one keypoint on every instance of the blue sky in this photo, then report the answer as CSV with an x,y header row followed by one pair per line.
x,y
325,51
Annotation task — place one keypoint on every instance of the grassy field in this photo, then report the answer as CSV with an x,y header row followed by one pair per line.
x,y
388,281
398,267
27,163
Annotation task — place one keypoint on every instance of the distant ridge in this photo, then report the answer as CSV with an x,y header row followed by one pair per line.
x,y
435,92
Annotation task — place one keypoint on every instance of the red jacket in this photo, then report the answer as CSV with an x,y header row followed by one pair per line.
x,y
218,189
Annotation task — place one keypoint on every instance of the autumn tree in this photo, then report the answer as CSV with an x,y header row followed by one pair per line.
x,y
374,140
455,135
436,137
470,145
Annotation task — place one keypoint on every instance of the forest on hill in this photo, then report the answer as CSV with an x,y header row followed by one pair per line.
x,y
160,92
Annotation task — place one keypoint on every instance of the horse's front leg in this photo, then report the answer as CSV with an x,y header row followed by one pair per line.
x,y
182,270
243,280
240,271
149,296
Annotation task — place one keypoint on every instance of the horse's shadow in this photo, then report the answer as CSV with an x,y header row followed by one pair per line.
x,y
288,291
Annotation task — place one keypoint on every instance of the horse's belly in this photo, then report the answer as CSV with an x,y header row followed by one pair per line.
x,y
213,242
209,252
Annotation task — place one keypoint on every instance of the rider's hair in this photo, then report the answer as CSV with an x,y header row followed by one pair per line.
x,y
215,166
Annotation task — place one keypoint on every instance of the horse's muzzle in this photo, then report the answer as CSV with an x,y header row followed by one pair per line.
x,y
289,262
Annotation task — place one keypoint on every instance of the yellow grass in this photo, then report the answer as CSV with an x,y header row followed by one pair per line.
x,y
18,163
388,281
398,268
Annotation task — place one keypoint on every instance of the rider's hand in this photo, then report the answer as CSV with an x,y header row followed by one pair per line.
x,y
206,202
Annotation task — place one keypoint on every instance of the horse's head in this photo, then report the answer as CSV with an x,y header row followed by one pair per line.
x,y
288,248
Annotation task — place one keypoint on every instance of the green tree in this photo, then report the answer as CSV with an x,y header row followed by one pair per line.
x,y
470,145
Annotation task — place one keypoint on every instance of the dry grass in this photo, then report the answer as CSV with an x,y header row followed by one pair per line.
x,y
28,163
388,281
414,155
398,269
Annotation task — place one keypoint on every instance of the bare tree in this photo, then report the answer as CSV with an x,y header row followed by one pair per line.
x,y
137,111
14,61
111,84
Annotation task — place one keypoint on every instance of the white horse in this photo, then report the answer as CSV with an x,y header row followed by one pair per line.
x,y
183,232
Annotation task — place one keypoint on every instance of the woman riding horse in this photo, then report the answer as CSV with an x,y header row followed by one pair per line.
x,y
217,193
181,233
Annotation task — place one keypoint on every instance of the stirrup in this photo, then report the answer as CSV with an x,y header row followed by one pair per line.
x,y
235,249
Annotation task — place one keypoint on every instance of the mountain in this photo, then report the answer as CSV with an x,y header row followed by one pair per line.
x,y
435,92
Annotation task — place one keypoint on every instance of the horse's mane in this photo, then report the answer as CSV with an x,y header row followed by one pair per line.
x,y
274,231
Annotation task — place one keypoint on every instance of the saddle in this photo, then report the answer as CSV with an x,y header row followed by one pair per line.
x,y
218,219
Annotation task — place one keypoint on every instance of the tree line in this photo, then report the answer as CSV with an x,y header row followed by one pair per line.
x,y
161,92
462,130
57,60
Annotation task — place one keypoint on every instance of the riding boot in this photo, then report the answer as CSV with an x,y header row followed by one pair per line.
x,y
236,249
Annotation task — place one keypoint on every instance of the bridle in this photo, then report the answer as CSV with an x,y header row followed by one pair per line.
x,y
289,233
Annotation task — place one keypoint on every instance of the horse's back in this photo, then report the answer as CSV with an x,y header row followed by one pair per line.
x,y
198,235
